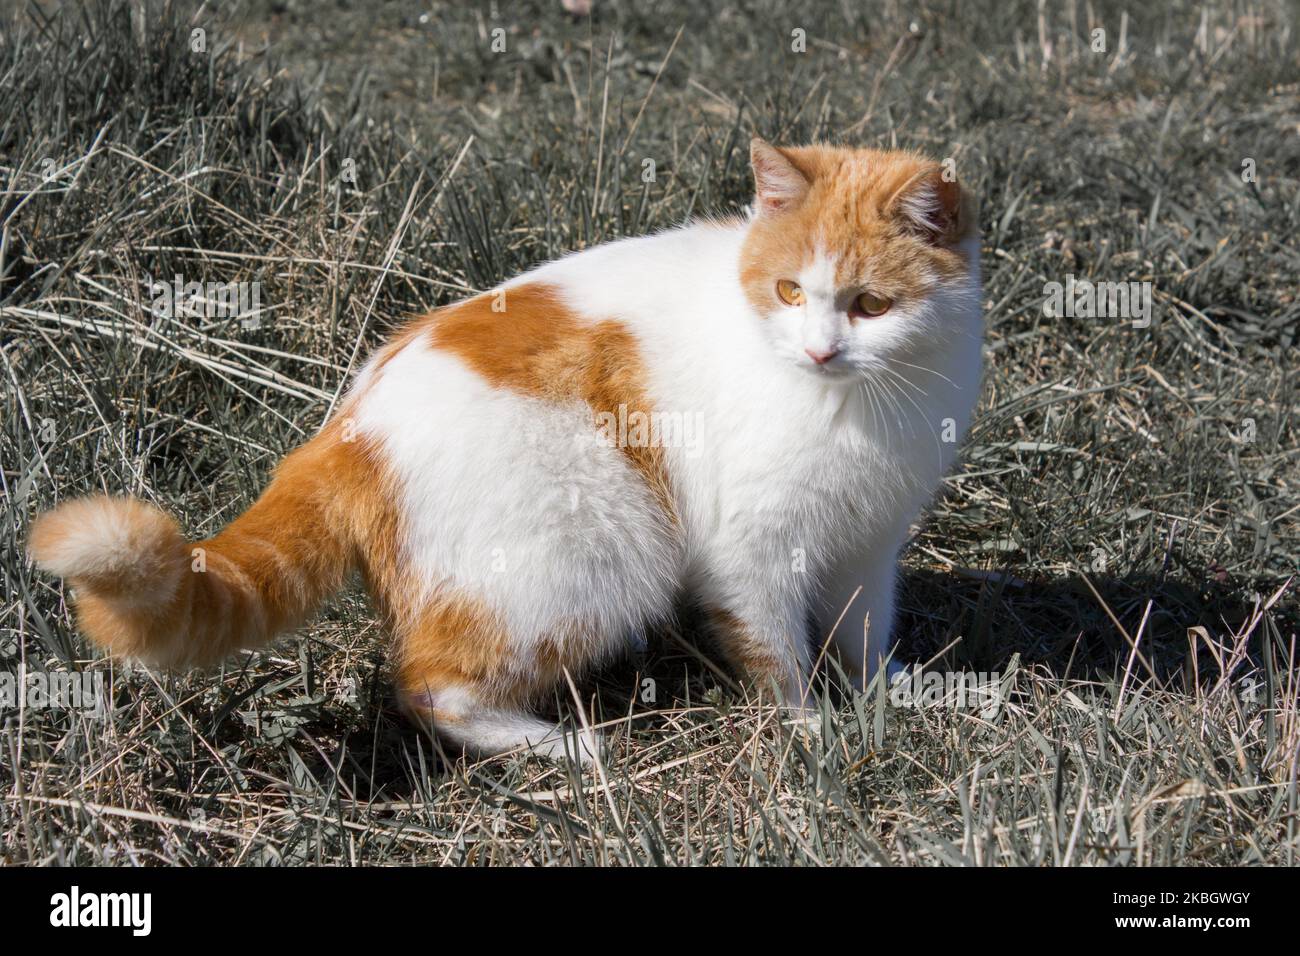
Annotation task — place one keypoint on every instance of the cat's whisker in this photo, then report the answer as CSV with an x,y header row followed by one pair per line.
x,y
924,417
887,392
904,380
870,391
922,368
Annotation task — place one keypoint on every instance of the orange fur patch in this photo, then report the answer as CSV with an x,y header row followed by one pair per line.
x,y
457,641
536,346
160,598
753,658
854,213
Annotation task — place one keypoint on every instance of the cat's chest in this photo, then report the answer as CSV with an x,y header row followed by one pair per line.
x,y
781,469
796,466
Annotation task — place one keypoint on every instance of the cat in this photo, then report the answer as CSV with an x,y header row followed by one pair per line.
x,y
509,473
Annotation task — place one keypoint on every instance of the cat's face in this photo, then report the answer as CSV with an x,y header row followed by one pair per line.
x,y
856,257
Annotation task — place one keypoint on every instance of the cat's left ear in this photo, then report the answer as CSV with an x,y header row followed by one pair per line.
x,y
934,207
778,183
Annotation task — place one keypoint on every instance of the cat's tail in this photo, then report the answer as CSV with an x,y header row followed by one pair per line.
x,y
143,592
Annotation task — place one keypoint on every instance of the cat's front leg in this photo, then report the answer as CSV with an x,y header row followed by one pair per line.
x,y
855,610
764,635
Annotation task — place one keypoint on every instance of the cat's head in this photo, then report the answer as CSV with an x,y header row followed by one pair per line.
x,y
858,256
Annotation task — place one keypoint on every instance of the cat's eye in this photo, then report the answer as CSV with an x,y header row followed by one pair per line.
x,y
789,292
870,305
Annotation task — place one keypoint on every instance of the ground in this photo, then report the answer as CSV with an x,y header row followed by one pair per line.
x,y
1115,550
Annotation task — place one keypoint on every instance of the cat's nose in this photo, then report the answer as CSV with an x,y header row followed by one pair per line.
x,y
821,358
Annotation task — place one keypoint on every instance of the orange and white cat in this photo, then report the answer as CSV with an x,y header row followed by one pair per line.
x,y
503,473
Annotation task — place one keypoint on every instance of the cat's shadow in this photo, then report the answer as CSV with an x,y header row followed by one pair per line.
x,y
959,621
1075,626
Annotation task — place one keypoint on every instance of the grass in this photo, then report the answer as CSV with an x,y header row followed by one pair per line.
x,y
1118,542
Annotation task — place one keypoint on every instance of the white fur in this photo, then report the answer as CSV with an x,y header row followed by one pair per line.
x,y
119,539
802,488
486,728
808,481
512,500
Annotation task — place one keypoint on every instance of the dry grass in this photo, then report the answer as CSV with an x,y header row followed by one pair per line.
x,y
1118,542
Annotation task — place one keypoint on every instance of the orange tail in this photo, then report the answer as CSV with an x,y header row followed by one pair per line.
x,y
142,591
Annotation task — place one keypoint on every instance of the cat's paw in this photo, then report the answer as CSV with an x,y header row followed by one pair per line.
x,y
802,719
583,747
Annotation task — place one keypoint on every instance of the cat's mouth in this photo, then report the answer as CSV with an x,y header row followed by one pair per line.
x,y
833,370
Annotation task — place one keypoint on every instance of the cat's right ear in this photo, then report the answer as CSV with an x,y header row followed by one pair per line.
x,y
778,183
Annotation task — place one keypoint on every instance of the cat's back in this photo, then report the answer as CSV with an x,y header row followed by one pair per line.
x,y
662,281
